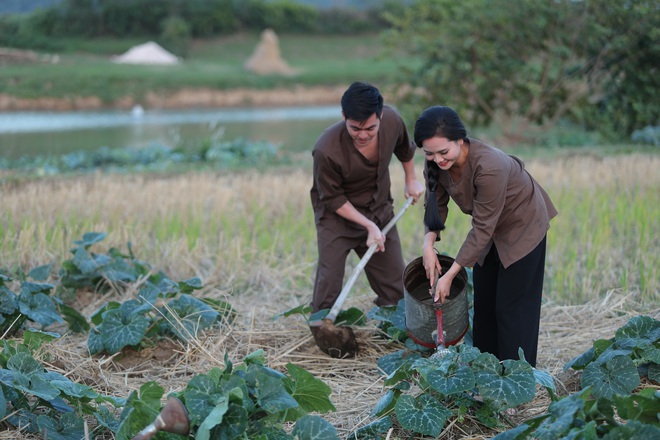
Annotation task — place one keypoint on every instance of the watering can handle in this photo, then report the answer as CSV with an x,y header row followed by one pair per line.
x,y
334,311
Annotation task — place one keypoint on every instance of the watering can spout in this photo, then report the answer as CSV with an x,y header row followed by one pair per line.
x,y
173,418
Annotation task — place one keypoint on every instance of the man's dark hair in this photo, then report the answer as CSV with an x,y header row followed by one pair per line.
x,y
360,101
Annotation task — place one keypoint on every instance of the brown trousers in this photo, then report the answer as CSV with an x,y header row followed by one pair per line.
x,y
384,270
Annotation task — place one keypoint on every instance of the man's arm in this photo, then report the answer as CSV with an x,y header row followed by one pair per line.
x,y
413,187
348,211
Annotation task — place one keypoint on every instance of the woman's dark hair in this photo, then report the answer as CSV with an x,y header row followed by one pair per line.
x,y
360,101
436,121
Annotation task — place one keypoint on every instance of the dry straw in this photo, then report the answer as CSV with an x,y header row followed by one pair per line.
x,y
250,237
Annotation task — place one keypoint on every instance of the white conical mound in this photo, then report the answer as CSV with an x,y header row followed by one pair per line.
x,y
147,53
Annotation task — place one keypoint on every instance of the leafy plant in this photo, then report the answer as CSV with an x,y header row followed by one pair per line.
x,y
33,303
212,153
615,366
162,307
576,416
427,391
41,401
118,325
245,401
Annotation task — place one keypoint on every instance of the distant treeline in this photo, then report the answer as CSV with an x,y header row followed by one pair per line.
x,y
23,6
186,18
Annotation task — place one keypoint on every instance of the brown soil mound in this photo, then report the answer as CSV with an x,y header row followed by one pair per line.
x,y
187,98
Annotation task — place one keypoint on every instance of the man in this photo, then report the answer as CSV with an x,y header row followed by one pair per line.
x,y
351,195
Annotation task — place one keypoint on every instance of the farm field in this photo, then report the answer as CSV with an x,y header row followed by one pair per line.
x,y
183,267
82,75
256,249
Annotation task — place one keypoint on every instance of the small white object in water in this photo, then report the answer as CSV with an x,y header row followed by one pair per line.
x,y
137,111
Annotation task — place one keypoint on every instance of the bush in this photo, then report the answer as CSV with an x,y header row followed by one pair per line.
x,y
175,35
209,17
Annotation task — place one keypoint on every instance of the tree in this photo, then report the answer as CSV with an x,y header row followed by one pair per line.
x,y
523,64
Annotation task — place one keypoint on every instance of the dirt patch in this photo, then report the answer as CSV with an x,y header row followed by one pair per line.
x,y
186,98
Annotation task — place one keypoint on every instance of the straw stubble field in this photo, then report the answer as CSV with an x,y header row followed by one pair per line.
x,y
250,237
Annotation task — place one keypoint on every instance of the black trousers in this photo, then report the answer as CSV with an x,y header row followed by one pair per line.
x,y
507,304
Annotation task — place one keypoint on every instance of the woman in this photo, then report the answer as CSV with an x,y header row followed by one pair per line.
x,y
506,245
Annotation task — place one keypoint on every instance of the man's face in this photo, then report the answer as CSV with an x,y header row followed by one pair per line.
x,y
363,132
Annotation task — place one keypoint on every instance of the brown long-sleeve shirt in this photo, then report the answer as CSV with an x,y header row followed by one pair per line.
x,y
508,207
342,173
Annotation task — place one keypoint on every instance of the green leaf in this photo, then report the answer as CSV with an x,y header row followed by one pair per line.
x,y
8,301
84,262
652,355
203,393
41,273
385,404
34,338
70,427
633,430
424,414
614,376
190,285
303,309
39,308
24,363
3,404
562,414
191,313
118,331
314,428
212,420
95,343
393,361
76,321
118,270
28,287
312,394
581,361
507,385
643,407
272,395
372,431
35,385
520,432
352,316
235,423
106,418
73,389
639,327
544,378
25,419
90,238
457,379
257,357
654,372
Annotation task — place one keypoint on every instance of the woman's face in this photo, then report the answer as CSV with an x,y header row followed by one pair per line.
x,y
442,151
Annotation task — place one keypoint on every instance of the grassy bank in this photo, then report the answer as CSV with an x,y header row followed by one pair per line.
x,y
227,229
85,68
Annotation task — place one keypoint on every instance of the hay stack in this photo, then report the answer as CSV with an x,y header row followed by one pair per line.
x,y
147,53
266,58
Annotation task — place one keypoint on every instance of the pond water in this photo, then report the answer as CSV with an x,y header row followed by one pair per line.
x,y
295,129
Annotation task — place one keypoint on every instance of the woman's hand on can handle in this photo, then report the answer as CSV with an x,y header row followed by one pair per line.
x,y
431,265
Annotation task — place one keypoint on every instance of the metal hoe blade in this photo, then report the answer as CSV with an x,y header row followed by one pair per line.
x,y
336,341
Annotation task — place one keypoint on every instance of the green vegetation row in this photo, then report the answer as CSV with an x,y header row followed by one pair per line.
x,y
209,154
